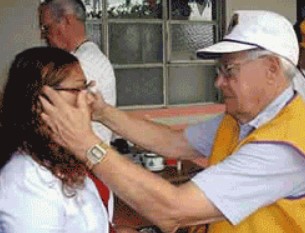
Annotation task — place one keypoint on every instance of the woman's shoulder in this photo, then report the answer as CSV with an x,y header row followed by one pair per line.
x,y
16,167
22,172
23,188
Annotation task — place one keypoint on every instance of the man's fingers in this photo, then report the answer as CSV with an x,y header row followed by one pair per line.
x,y
53,97
46,119
54,131
46,105
82,102
98,96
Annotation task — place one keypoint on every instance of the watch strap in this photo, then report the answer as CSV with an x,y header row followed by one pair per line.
x,y
102,148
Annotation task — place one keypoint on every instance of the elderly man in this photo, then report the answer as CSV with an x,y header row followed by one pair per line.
x,y
255,181
62,24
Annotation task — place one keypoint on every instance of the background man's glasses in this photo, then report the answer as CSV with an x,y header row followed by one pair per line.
x,y
44,28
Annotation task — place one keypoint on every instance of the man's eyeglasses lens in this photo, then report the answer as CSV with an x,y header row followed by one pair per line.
x,y
232,70
228,71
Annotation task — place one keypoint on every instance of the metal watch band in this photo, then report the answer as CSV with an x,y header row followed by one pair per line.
x,y
96,154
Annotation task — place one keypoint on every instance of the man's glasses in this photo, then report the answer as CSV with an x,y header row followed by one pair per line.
x,y
232,70
74,89
44,29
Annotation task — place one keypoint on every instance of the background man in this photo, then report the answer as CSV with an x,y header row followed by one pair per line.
x,y
62,24
255,181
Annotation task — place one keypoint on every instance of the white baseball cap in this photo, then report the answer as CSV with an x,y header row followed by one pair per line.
x,y
250,29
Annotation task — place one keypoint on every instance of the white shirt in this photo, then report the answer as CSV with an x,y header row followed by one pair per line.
x,y
32,201
98,68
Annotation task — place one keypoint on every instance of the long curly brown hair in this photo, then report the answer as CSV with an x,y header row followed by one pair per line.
x,y
21,126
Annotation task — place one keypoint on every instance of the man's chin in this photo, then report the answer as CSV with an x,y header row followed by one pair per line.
x,y
231,112
230,108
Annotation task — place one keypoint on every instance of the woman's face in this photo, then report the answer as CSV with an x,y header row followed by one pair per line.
x,y
74,81
72,85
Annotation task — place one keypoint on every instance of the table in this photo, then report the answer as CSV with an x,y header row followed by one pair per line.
x,y
126,216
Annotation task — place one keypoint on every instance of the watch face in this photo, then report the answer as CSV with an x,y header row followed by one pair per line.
x,y
97,152
95,155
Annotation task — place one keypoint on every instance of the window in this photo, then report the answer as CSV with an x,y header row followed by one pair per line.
x,y
151,45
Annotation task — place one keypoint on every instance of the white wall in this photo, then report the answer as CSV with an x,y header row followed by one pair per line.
x,y
18,30
19,24
283,7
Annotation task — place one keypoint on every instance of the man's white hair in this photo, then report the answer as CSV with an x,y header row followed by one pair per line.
x,y
60,8
287,66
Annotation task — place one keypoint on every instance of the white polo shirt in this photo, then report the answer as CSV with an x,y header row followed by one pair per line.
x,y
98,68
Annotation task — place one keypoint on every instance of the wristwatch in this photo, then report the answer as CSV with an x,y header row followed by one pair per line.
x,y
96,154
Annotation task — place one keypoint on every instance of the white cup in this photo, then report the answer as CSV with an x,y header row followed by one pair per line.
x,y
153,162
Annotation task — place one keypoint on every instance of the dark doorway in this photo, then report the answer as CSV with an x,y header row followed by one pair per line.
x,y
300,10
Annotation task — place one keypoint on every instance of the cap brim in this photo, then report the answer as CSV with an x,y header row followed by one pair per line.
x,y
216,50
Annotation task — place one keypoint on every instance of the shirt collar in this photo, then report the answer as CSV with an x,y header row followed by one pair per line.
x,y
272,109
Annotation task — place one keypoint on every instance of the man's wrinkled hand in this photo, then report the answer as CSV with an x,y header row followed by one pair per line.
x,y
97,104
70,125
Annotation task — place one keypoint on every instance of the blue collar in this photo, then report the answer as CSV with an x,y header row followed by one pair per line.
x,y
273,108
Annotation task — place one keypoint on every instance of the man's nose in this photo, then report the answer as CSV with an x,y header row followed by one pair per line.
x,y
220,81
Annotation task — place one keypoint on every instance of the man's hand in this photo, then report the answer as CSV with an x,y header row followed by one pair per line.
x,y
97,104
70,126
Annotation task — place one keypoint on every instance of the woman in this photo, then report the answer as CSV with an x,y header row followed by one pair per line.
x,y
42,188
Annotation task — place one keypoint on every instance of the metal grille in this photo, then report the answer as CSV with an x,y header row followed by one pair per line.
x,y
139,86
94,32
186,39
193,84
147,73
135,43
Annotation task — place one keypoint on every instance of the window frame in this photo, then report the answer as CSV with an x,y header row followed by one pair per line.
x,y
166,63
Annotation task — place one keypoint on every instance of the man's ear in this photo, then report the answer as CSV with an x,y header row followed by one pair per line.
x,y
274,68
